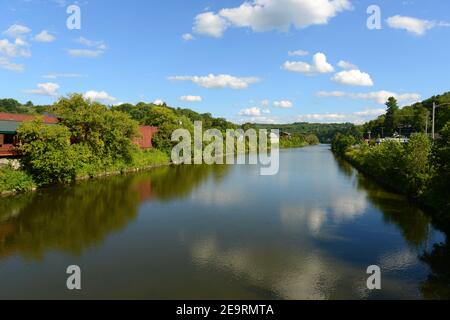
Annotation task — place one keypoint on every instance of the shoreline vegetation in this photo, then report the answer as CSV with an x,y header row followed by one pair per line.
x,y
416,167
93,140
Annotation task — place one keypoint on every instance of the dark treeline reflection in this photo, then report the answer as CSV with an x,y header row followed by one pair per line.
x,y
415,227
74,218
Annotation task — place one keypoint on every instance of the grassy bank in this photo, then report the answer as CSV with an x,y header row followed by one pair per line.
x,y
417,169
19,181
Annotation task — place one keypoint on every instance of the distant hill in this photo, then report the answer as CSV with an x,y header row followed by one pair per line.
x,y
324,131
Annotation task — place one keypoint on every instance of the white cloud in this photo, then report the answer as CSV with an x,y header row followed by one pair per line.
x,y
251,112
379,97
45,89
298,53
370,112
346,65
191,98
353,78
319,65
285,104
326,117
44,36
98,48
158,102
16,31
212,81
18,48
8,65
85,53
210,24
101,96
61,75
187,37
358,117
258,119
266,15
413,25
91,43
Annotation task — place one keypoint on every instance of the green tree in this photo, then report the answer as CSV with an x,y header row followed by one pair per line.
x,y
392,117
47,152
109,134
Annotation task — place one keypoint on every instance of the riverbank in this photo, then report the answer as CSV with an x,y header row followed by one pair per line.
x,y
13,181
419,197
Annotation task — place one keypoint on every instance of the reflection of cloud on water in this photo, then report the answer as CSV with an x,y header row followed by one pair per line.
x,y
316,218
211,196
290,274
294,218
349,208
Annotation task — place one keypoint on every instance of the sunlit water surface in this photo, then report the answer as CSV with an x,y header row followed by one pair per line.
x,y
221,232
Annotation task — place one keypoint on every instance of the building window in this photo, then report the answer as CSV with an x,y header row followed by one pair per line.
x,y
8,139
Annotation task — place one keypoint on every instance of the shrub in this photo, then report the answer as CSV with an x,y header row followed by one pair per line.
x,y
16,181
47,152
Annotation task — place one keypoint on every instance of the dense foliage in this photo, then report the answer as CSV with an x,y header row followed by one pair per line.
x,y
325,132
89,139
418,168
12,180
409,119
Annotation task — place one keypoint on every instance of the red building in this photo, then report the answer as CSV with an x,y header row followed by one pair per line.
x,y
10,122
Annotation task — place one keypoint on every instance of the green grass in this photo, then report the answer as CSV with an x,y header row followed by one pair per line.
x,y
141,160
15,181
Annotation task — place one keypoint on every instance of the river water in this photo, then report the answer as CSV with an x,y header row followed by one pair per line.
x,y
222,232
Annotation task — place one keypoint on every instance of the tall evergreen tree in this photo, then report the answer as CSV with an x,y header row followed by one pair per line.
x,y
392,116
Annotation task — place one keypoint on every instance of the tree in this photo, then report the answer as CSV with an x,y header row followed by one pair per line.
x,y
47,152
392,118
167,122
109,134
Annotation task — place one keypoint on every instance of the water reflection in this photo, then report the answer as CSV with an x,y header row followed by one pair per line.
x,y
415,226
215,232
72,219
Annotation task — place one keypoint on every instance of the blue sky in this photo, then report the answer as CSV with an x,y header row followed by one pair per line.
x,y
262,60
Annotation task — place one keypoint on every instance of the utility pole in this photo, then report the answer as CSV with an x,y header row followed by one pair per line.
x,y
434,117
434,120
426,122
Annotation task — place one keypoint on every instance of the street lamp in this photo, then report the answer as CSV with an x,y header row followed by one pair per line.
x,y
434,116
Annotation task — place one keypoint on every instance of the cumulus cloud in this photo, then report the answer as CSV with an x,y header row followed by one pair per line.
x,y
191,98
45,89
44,36
251,112
284,104
266,15
187,37
100,96
17,31
377,96
8,65
210,24
158,102
319,65
220,81
18,48
413,25
353,78
346,65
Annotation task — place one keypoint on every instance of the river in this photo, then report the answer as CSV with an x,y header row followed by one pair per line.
x,y
222,232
